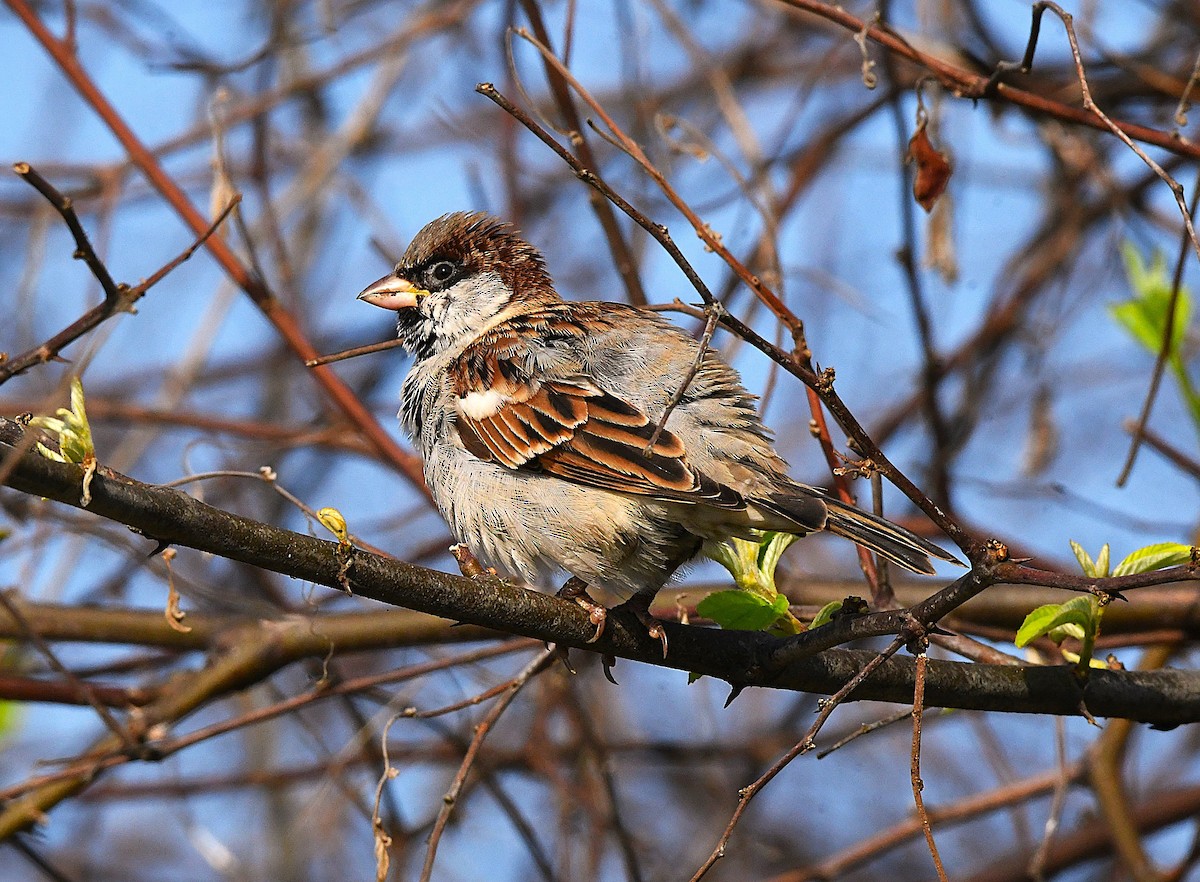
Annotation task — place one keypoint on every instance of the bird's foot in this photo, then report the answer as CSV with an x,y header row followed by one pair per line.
x,y
639,605
576,589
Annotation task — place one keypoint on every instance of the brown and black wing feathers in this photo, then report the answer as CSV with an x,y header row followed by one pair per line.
x,y
570,428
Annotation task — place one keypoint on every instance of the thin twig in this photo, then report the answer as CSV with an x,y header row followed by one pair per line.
x,y
66,209
710,326
1037,861
865,729
1177,457
622,254
592,738
84,688
90,765
254,287
819,427
383,839
1176,188
838,865
967,83
1185,96
804,745
539,663
915,765
269,476
882,596
703,230
354,353
906,257
117,297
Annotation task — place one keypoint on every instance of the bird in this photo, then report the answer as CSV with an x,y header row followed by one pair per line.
x,y
537,419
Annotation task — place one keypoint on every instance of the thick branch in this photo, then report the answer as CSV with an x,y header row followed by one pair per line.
x,y
171,517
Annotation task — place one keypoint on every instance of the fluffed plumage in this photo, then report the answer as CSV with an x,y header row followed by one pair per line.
x,y
534,414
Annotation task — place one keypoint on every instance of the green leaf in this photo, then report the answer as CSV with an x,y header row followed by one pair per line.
x,y
1145,318
826,613
771,548
1102,562
1037,623
1145,315
739,610
752,565
1077,618
1085,560
1154,557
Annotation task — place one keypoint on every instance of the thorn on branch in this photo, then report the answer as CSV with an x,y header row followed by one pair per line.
x,y
735,689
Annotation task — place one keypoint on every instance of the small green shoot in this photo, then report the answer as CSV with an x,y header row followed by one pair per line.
x,y
74,438
1144,317
1079,617
826,613
1097,569
335,522
756,604
10,717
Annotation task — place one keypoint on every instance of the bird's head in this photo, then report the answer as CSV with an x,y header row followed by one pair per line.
x,y
459,273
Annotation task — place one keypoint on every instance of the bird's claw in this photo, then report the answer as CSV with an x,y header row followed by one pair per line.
x,y
608,662
598,616
559,652
656,630
576,590
653,626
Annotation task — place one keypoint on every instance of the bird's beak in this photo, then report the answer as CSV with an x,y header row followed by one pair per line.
x,y
392,292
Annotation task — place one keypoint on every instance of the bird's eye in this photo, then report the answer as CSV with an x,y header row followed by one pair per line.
x,y
442,270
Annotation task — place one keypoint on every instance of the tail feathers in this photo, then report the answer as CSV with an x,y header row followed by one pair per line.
x,y
889,540
812,510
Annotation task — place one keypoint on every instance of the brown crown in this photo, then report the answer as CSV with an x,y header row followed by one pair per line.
x,y
481,243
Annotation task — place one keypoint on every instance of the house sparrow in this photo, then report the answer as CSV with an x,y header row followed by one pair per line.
x,y
534,417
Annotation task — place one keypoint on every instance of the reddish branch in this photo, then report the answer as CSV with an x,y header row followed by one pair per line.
x,y
256,288
970,84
